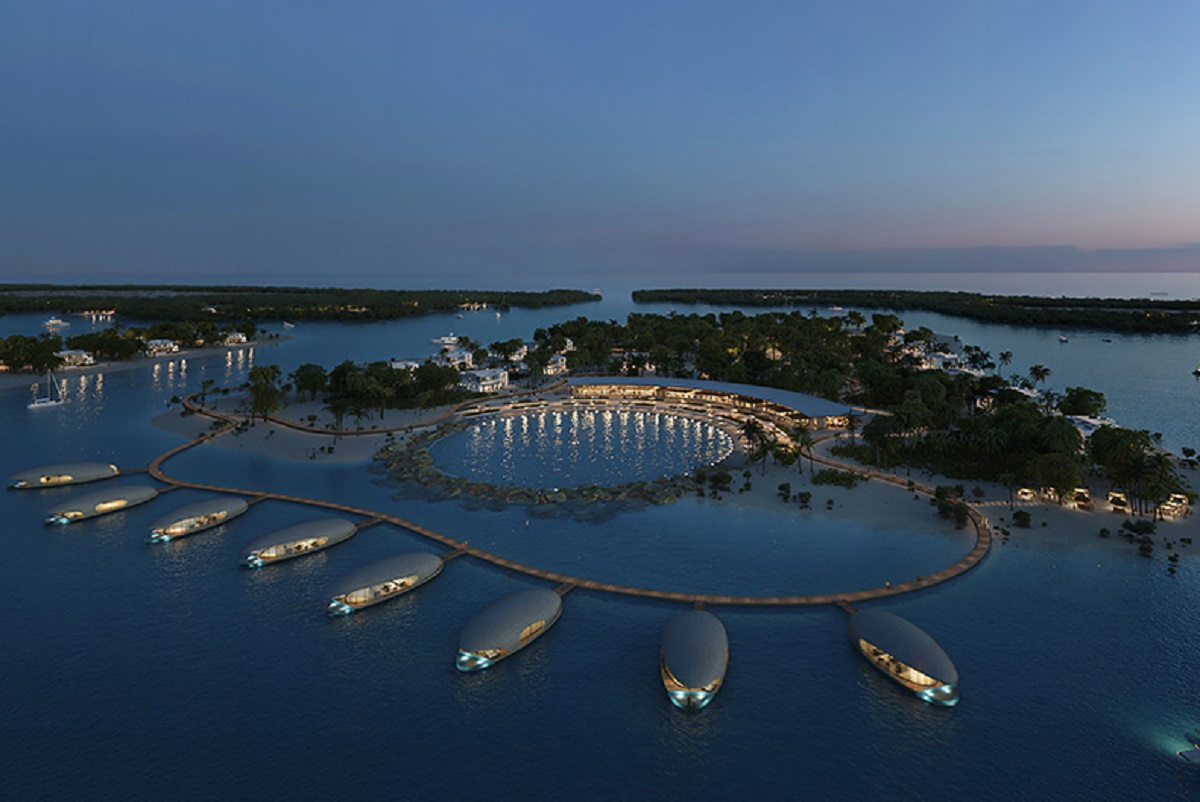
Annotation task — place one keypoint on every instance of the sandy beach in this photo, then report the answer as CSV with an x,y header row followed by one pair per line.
x,y
293,444
872,501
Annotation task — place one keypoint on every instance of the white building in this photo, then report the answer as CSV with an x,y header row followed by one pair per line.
x,y
404,364
160,347
485,381
235,338
74,358
455,357
557,365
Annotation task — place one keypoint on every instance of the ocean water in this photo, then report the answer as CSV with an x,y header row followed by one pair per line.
x,y
169,672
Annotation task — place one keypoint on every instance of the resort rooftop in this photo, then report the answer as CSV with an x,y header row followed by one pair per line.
x,y
808,404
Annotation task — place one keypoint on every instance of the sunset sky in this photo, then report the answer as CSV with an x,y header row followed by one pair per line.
x,y
301,141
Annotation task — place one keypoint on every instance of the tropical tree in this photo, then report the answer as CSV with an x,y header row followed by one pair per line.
x,y
1038,374
310,378
1004,359
265,394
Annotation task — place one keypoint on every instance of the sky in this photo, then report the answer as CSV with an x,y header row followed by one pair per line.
x,y
449,142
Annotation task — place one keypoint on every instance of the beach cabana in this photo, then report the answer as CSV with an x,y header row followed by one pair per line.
x,y
383,580
297,541
196,518
506,627
67,473
694,656
905,653
100,502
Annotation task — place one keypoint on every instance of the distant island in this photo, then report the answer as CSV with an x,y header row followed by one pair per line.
x,y
180,303
1137,315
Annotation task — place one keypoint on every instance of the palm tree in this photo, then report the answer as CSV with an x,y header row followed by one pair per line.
x,y
1005,359
205,386
1038,374
806,442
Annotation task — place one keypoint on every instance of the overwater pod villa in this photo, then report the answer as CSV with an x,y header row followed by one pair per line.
x,y
68,473
695,654
196,518
383,580
907,654
506,627
99,503
296,541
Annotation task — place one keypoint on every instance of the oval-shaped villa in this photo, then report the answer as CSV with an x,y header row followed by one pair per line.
x,y
297,541
694,657
907,654
67,473
383,580
99,503
196,518
506,627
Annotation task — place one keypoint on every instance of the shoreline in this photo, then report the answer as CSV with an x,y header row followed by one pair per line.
x,y
10,380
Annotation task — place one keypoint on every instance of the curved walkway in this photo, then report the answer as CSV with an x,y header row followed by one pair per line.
x,y
983,539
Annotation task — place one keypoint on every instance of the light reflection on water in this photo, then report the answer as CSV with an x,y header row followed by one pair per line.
x,y
568,448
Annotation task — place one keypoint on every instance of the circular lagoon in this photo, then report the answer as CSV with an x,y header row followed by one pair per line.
x,y
567,448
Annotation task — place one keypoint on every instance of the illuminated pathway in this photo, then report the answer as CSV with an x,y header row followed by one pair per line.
x,y
983,538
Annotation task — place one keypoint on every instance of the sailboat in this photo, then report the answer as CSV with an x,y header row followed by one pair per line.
x,y
53,394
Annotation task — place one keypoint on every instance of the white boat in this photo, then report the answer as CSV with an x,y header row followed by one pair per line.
x,y
287,324
53,323
1062,338
53,394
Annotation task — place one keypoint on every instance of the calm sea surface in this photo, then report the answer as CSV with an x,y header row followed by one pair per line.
x,y
168,672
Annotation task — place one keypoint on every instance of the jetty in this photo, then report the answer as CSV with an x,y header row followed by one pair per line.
x,y
983,538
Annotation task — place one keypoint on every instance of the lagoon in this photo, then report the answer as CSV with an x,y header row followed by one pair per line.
x,y
169,672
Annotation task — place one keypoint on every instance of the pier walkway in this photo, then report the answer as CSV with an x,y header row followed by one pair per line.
x,y
983,539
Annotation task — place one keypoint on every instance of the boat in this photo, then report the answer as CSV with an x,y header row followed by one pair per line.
x,y
383,580
506,627
54,323
66,473
196,517
287,324
53,396
449,341
906,654
693,660
1196,371
1062,338
101,502
297,541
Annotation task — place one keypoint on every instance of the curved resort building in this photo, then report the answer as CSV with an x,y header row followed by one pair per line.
x,y
782,408
297,541
383,580
907,654
694,657
101,502
506,627
67,473
196,518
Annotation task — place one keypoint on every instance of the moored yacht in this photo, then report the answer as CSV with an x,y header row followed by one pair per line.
x,y
297,541
196,518
100,502
906,654
693,660
506,627
383,580
66,473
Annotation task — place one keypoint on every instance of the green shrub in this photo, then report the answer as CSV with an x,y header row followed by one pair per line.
x,y
1022,519
830,476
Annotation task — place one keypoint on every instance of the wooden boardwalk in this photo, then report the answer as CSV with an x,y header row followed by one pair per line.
x,y
565,582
